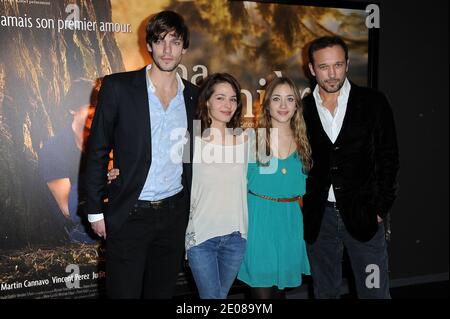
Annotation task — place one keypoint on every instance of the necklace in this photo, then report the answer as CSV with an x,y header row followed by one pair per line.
x,y
284,169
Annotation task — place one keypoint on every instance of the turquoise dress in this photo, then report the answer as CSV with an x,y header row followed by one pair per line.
x,y
276,251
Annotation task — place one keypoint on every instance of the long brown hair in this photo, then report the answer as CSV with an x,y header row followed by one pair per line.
x,y
207,90
298,124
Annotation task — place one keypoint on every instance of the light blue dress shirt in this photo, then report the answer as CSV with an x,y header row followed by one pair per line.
x,y
168,129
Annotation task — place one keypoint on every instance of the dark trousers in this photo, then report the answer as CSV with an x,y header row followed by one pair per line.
x,y
144,257
369,260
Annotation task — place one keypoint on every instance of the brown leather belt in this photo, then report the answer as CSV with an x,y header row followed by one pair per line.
x,y
298,199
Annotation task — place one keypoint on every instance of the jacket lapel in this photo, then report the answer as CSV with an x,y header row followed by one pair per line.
x,y
140,97
190,107
315,119
189,102
352,105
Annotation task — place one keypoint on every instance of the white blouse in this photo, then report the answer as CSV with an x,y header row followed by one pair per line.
x,y
219,192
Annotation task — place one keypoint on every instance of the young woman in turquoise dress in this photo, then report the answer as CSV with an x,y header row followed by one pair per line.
x,y
276,256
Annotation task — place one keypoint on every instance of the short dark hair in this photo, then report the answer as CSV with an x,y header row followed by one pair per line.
x,y
164,22
326,42
207,90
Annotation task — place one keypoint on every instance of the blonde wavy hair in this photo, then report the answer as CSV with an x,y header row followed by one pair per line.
x,y
298,125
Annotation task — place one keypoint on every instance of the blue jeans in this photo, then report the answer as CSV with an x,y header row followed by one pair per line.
x,y
215,264
369,260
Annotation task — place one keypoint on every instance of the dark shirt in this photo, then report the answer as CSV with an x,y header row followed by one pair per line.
x,y
60,158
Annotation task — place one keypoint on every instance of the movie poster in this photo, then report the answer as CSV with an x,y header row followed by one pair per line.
x,y
53,56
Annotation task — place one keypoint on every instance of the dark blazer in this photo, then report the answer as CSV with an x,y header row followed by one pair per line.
x,y
122,123
362,164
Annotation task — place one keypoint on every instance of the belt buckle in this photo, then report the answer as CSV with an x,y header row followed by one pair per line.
x,y
156,204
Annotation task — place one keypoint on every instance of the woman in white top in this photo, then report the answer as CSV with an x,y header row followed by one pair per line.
x,y
217,229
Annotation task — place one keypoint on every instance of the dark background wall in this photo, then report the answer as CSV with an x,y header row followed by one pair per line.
x,y
413,70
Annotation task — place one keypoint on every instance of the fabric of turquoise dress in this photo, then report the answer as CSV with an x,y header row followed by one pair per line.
x,y
276,251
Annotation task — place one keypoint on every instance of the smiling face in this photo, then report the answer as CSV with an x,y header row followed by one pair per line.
x,y
282,103
222,104
167,51
330,68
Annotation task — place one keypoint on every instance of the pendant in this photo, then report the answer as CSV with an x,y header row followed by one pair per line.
x,y
283,171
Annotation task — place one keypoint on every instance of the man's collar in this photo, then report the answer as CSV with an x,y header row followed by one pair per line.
x,y
151,86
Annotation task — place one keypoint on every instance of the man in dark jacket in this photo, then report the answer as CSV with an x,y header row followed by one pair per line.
x,y
144,116
352,184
